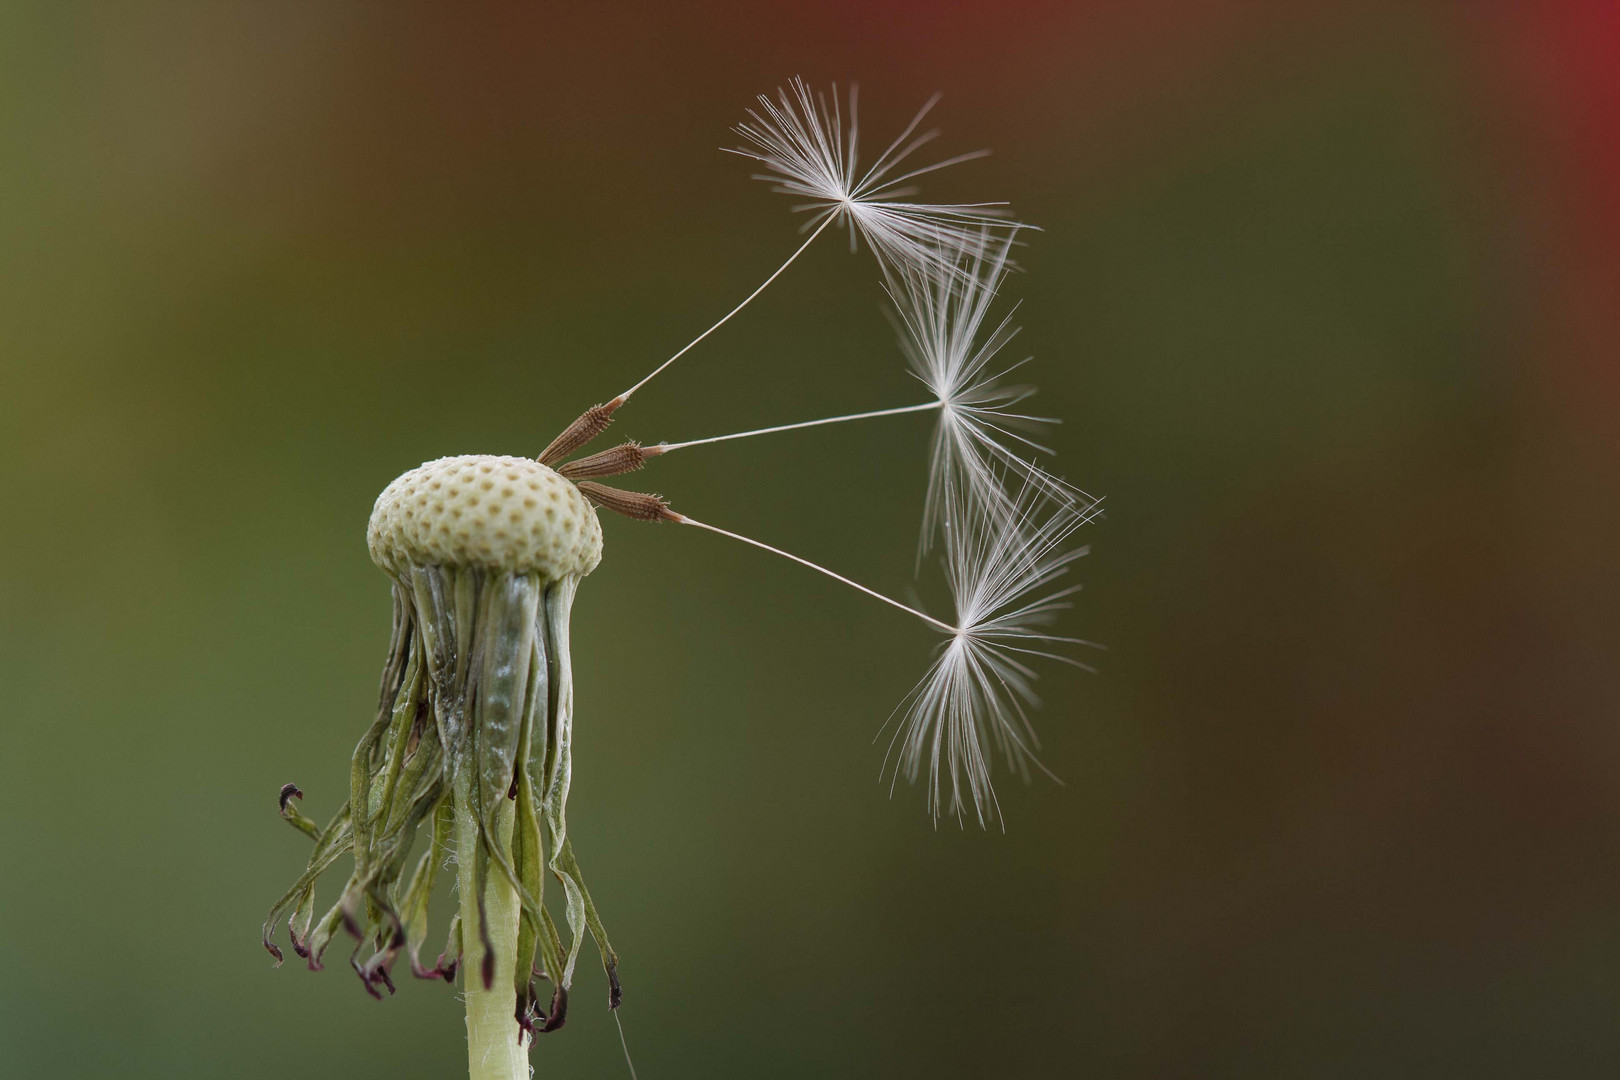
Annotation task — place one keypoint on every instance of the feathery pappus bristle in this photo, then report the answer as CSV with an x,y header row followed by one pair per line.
x,y
801,140
973,702
977,445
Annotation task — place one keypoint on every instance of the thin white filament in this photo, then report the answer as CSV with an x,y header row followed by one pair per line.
x,y
626,1046
746,301
924,407
937,624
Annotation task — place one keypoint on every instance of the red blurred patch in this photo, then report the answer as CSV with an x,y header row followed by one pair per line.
x,y
1562,61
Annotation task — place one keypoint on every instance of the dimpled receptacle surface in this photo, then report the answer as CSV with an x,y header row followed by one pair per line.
x,y
499,513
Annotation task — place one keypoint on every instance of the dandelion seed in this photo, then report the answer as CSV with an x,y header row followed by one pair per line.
x,y
810,154
974,699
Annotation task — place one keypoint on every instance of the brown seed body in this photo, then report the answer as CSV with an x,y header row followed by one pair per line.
x,y
626,457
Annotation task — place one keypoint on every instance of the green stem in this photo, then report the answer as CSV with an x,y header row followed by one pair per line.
x,y
493,1049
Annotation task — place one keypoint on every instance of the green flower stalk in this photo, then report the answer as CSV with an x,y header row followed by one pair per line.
x,y
472,745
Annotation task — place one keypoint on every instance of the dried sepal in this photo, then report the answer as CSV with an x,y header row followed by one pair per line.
x,y
290,813
569,866
414,908
334,841
528,844
450,959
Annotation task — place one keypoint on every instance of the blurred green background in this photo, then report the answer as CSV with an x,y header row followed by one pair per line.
x,y
1321,298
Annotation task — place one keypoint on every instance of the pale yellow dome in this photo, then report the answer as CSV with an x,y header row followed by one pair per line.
x,y
499,513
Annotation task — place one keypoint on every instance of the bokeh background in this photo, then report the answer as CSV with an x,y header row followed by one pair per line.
x,y
1327,298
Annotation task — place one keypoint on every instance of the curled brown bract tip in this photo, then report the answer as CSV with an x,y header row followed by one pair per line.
x,y
559,1011
289,791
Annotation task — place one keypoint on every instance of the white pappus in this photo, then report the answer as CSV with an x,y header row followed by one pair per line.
x,y
1005,521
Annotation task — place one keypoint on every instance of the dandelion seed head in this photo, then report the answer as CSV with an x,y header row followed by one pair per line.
x,y
471,746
